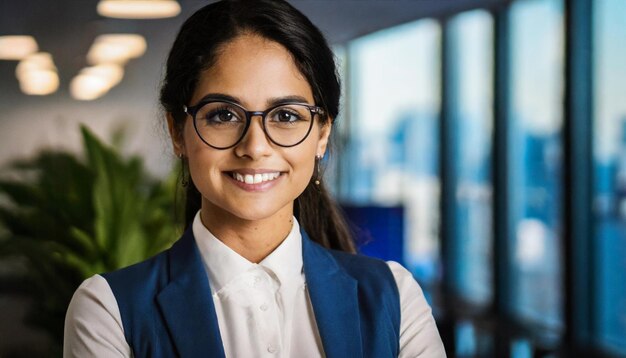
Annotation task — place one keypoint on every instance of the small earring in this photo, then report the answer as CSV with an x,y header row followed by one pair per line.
x,y
184,180
318,170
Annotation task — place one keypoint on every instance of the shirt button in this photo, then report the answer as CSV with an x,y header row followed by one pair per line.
x,y
263,307
271,349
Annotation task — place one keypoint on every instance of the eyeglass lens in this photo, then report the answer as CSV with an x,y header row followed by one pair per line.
x,y
222,124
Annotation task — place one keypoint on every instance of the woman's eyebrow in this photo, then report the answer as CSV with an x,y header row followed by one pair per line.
x,y
286,99
220,97
275,101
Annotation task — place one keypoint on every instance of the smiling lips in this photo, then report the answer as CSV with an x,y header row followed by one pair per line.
x,y
255,178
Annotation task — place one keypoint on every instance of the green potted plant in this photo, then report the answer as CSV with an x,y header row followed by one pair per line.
x,y
65,218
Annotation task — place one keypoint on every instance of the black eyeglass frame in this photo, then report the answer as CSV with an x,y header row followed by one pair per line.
x,y
193,110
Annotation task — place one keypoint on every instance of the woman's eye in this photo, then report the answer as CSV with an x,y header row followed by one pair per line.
x,y
222,116
286,116
225,116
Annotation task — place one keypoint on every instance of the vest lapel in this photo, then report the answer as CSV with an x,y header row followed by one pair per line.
x,y
187,304
334,299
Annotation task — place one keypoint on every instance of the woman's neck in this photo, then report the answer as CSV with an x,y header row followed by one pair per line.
x,y
254,240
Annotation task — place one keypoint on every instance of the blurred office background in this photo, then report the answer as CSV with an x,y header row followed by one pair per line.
x,y
482,144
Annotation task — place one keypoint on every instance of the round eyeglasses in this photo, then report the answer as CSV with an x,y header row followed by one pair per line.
x,y
223,124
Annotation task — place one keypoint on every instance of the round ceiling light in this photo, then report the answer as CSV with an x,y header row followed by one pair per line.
x,y
34,62
116,48
138,9
37,74
17,47
94,82
39,82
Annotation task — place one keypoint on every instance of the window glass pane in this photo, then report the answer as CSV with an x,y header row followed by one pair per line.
x,y
472,61
391,155
535,161
610,173
333,157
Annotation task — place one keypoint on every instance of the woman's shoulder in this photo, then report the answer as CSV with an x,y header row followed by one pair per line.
x,y
402,276
148,265
371,269
357,262
365,269
94,288
145,276
93,323
143,280
92,297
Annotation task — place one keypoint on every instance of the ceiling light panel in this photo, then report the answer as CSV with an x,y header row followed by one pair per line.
x,y
94,82
116,48
34,62
37,74
17,47
138,9
39,82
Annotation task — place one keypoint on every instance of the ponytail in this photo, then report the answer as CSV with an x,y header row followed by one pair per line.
x,y
321,218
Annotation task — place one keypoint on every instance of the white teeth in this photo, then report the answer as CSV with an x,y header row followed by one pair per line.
x,y
256,178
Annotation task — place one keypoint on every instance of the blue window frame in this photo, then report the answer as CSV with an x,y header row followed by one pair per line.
x,y
471,108
535,163
391,154
393,141
609,152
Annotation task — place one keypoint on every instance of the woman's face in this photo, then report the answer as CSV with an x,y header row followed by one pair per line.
x,y
256,72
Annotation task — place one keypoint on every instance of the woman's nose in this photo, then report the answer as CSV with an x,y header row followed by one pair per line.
x,y
255,144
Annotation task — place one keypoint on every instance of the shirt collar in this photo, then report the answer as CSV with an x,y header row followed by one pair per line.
x,y
286,260
223,264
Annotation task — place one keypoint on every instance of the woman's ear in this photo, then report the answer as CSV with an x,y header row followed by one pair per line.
x,y
176,135
324,137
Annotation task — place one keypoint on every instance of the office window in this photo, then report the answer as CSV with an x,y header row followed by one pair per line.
x,y
391,157
610,174
472,89
334,153
535,162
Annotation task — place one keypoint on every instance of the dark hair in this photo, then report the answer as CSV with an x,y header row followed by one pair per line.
x,y
196,48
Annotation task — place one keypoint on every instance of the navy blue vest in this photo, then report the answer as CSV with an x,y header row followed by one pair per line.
x,y
167,309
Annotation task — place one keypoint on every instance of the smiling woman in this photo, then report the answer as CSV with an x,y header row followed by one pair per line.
x,y
267,264
264,210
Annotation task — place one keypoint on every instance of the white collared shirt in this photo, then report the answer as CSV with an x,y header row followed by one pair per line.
x,y
263,309
257,304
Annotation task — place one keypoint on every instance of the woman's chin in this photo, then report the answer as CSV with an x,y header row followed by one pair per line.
x,y
258,214
250,212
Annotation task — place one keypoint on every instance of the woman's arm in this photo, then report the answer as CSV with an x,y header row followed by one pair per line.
x,y
93,325
418,333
